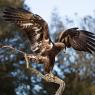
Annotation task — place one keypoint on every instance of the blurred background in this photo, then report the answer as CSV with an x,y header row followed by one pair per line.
x,y
77,69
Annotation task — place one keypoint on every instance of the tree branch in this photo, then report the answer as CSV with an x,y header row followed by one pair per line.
x,y
48,77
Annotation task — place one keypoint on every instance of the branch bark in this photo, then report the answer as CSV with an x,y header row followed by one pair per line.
x,y
48,77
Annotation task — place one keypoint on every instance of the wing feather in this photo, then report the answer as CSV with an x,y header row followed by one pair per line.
x,y
36,27
78,39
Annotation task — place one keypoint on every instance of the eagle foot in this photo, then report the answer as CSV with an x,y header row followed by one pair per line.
x,y
51,78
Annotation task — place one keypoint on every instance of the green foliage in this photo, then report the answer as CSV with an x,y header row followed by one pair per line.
x,y
7,80
6,28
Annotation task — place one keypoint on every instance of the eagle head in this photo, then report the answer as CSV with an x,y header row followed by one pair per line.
x,y
59,46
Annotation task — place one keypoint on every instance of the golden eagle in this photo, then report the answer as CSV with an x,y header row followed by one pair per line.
x,y
36,29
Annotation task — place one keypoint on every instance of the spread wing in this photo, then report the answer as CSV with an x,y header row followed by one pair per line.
x,y
35,27
78,39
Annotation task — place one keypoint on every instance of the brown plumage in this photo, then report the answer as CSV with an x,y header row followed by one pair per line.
x,y
38,34
78,39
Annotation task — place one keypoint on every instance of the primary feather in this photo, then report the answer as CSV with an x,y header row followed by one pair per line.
x,y
78,39
35,27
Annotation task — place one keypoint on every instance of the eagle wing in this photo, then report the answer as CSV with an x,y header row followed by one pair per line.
x,y
78,39
35,27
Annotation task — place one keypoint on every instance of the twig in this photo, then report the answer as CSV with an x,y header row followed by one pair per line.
x,y
48,77
27,61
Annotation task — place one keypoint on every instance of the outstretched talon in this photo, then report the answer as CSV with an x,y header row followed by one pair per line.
x,y
49,77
